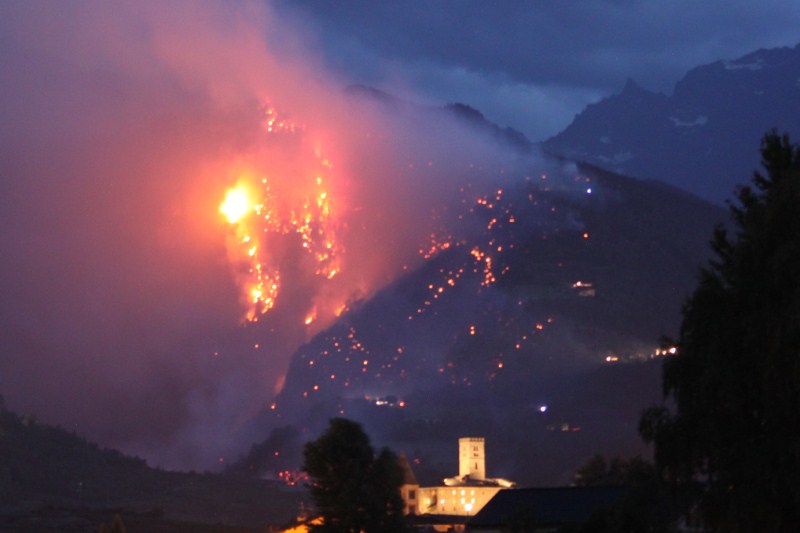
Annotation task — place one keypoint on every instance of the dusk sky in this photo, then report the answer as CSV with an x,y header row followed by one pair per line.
x,y
124,124
534,65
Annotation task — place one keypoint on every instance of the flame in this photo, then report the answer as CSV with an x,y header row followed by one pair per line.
x,y
311,317
236,204
261,209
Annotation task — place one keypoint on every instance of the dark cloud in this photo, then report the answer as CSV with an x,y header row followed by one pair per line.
x,y
545,59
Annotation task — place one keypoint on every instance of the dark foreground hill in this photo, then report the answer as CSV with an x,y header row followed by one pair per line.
x,y
53,480
534,322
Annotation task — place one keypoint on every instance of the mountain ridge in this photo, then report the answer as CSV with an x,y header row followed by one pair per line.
x,y
704,137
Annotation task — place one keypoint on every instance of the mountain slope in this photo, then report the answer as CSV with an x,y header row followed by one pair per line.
x,y
525,292
703,138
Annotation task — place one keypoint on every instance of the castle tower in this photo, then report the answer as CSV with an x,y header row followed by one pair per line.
x,y
471,458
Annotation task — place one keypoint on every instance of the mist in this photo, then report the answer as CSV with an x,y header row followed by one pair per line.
x,y
125,307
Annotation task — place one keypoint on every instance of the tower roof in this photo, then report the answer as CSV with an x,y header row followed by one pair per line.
x,y
408,475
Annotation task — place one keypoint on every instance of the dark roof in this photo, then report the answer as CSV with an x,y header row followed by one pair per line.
x,y
549,506
436,519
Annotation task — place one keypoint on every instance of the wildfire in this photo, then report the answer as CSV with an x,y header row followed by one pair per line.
x,y
265,214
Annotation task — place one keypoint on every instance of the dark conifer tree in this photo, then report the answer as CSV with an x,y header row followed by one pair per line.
x,y
732,444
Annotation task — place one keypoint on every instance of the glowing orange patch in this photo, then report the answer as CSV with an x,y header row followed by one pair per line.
x,y
236,205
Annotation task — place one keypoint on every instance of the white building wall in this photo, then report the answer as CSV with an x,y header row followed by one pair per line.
x,y
410,494
472,457
461,501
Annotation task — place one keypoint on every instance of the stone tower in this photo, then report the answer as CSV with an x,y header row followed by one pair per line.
x,y
471,458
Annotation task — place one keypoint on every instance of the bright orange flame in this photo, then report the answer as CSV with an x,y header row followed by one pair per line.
x,y
310,317
262,210
236,204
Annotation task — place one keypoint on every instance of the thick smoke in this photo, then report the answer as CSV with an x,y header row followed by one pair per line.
x,y
123,124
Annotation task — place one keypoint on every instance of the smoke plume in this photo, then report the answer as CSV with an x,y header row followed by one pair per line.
x,y
125,290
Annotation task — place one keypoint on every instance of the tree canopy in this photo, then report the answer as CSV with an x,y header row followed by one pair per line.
x,y
354,489
731,441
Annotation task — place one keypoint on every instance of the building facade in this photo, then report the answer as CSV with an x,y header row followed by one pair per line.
x,y
463,495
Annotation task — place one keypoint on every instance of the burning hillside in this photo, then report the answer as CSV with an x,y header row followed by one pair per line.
x,y
172,169
275,206
526,293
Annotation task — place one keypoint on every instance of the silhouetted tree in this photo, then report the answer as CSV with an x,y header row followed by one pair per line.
x,y
353,490
599,471
735,381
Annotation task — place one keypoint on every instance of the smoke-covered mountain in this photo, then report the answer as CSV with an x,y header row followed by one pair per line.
x,y
704,137
533,322
468,115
